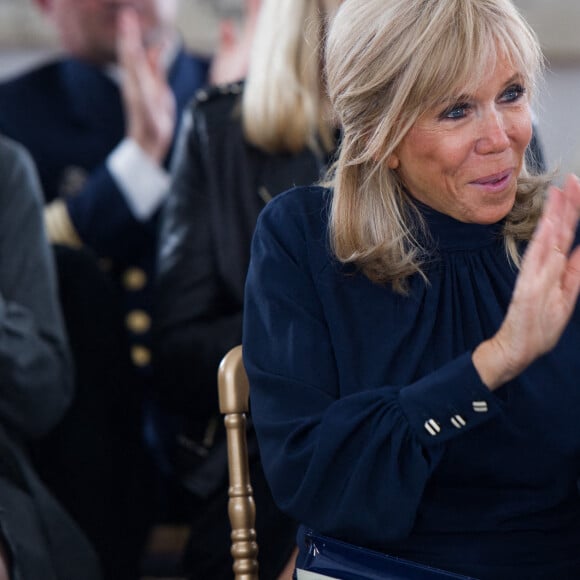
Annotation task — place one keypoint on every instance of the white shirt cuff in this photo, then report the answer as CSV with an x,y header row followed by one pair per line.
x,y
143,183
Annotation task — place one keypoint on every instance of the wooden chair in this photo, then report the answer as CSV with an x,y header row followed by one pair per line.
x,y
234,390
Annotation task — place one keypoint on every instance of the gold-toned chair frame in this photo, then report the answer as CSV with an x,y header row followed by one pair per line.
x,y
234,391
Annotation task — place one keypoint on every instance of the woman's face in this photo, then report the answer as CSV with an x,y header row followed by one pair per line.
x,y
463,158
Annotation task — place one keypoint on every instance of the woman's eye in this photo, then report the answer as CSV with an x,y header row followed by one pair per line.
x,y
513,93
456,111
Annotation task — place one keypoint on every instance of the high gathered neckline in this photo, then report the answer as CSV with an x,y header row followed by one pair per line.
x,y
444,232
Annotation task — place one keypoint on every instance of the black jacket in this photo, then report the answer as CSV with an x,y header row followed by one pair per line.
x,y
219,186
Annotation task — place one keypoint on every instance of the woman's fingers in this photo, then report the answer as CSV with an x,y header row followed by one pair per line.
x,y
567,221
545,239
556,229
571,278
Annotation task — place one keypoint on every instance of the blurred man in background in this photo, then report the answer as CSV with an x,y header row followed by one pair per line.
x,y
100,123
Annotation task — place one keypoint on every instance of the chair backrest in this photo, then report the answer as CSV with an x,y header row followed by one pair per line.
x,y
234,390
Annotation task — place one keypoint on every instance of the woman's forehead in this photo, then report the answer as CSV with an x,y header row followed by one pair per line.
x,y
497,69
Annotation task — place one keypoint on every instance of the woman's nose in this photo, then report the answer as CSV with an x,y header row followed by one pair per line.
x,y
493,136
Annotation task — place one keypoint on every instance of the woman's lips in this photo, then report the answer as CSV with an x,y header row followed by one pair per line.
x,y
495,182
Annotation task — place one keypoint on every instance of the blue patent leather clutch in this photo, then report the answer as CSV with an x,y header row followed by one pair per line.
x,y
329,558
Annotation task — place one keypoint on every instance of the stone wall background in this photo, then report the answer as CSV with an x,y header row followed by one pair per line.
x,y
25,38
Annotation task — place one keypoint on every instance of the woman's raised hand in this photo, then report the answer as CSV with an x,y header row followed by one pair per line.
x,y
545,293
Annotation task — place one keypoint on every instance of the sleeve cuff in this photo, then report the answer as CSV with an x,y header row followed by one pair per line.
x,y
143,183
452,401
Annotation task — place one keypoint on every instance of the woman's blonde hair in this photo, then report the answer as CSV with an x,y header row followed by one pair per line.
x,y
387,63
283,105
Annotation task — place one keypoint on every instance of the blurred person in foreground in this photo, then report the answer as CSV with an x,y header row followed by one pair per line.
x,y
37,538
99,122
411,329
240,145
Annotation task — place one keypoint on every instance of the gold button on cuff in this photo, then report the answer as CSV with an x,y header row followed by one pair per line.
x,y
480,406
140,356
134,279
138,321
458,421
432,427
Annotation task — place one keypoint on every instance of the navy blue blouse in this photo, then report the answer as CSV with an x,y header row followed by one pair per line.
x,y
373,424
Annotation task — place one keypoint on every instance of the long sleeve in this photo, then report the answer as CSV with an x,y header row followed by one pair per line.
x,y
83,106
101,216
343,440
103,212
35,366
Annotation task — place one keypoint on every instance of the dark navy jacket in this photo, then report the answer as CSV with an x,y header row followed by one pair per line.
x,y
70,117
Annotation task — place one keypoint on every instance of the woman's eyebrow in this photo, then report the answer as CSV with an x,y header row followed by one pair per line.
x,y
516,77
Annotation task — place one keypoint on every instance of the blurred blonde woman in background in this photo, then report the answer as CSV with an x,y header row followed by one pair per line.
x,y
240,145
